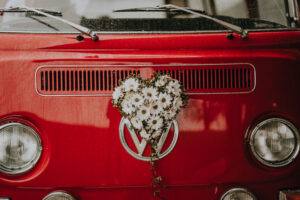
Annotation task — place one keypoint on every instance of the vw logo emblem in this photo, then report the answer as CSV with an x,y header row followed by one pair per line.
x,y
141,145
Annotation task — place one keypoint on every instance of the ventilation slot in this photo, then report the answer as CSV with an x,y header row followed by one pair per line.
x,y
80,81
214,79
195,79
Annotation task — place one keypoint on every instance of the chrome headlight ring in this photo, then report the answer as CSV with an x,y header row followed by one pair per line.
x,y
20,148
274,142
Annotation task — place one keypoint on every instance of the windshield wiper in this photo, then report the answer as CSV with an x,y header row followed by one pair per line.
x,y
47,13
158,9
21,10
172,8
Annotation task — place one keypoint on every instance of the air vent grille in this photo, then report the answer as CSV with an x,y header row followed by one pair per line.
x,y
214,79
101,80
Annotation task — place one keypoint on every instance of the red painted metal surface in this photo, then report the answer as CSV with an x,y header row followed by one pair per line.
x,y
82,152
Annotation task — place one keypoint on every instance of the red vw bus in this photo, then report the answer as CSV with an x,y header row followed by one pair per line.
x,y
238,61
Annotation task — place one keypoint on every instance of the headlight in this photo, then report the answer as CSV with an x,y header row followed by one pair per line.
x,y
58,196
20,148
275,142
238,193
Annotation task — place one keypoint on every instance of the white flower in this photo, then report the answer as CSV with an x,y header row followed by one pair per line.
x,y
117,94
145,135
155,122
170,114
164,100
160,82
150,93
166,78
137,100
131,84
136,123
143,112
178,103
155,108
127,107
174,87
157,133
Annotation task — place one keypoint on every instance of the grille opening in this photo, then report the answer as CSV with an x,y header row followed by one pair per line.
x,y
84,80
50,78
93,80
217,78
76,80
195,79
88,80
109,80
68,80
63,81
42,80
249,78
54,81
80,80
105,80
114,79
72,80
59,80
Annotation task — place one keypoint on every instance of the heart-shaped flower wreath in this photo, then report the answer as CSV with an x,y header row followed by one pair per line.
x,y
150,106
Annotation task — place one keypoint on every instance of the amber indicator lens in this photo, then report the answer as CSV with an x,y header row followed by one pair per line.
x,y
275,142
20,148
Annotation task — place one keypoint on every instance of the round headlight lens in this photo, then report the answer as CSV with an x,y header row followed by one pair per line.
x,y
58,196
238,194
20,148
275,142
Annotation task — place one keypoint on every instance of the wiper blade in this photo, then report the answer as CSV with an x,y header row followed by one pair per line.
x,y
23,10
79,28
170,7
159,9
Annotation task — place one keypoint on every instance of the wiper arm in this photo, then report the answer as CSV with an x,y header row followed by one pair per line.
x,y
22,10
170,7
79,28
158,9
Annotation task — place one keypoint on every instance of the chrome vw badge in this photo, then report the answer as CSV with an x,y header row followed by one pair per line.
x,y
141,145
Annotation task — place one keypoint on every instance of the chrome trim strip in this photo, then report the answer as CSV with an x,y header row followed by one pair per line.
x,y
164,65
291,157
156,32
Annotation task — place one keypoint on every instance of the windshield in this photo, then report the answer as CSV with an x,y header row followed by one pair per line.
x,y
101,15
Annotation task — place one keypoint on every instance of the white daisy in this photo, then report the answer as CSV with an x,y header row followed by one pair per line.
x,y
127,107
131,84
150,93
155,122
170,114
143,112
160,82
137,100
174,87
145,135
178,103
164,100
136,123
156,134
155,108
117,94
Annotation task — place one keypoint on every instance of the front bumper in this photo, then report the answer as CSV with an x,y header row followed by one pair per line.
x,y
291,194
